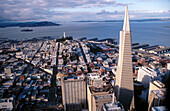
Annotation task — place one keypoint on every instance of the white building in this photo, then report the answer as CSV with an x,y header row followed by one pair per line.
x,y
168,69
146,75
93,75
6,104
159,108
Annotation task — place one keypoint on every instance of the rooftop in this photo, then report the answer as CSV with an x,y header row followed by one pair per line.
x,y
102,97
159,108
159,84
113,107
106,89
161,49
160,93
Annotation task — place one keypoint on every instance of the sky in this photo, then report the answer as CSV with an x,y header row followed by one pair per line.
x,y
76,10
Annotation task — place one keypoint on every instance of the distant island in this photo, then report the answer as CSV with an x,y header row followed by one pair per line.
x,y
29,24
167,26
26,30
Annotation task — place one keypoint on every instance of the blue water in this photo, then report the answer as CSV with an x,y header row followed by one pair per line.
x,y
153,33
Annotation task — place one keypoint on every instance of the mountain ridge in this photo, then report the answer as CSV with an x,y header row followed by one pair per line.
x,y
28,24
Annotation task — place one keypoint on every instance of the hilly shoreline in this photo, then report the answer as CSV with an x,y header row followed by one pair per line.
x,y
28,24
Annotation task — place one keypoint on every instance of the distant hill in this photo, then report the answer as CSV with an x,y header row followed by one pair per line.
x,y
29,24
140,20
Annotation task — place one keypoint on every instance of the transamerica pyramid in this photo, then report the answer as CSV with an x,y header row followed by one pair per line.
x,y
124,74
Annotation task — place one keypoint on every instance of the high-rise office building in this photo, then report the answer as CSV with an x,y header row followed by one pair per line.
x,y
97,96
124,75
156,96
74,94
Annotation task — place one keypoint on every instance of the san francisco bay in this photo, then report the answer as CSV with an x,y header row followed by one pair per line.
x,y
153,33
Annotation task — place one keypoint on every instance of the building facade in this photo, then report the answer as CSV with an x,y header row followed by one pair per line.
x,y
74,94
156,95
98,96
124,75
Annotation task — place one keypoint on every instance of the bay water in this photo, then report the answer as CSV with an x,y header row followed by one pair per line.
x,y
153,33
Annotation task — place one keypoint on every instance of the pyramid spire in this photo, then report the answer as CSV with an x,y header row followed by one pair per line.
x,y
124,74
126,25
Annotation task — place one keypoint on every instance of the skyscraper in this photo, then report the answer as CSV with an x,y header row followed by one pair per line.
x,y
124,75
74,94
64,35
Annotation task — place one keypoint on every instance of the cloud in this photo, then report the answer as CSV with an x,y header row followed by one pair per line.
x,y
20,10
145,0
135,14
39,10
152,14
103,3
161,11
108,12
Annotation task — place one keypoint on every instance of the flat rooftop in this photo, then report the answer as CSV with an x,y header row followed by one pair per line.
x,y
160,93
113,107
107,89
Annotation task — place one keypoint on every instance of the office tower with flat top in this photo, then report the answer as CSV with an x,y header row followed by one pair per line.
x,y
74,93
124,74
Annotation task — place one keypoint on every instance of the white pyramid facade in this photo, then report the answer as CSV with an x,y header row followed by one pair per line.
x,y
124,75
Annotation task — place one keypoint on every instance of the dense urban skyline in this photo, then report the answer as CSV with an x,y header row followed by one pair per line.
x,y
40,10
66,74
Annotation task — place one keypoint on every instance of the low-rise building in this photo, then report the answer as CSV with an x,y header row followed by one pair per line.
x,y
6,104
146,75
